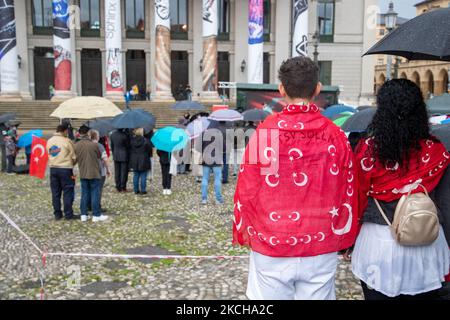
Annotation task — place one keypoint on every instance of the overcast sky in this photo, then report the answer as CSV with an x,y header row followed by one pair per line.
x,y
405,8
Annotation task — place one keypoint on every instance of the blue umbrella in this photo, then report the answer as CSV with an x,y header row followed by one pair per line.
x,y
331,111
187,105
170,139
27,138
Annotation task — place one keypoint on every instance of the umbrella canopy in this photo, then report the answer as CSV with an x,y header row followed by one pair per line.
x,y
359,121
197,127
7,117
341,121
134,118
331,111
437,119
27,138
170,139
187,105
341,115
439,104
442,132
198,115
425,37
228,115
86,108
255,115
104,127
361,108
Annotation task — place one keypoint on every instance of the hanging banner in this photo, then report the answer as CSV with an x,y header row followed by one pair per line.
x,y
300,34
255,41
210,31
8,48
162,54
113,46
62,45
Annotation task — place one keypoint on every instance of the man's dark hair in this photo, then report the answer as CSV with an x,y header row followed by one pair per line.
x,y
299,76
62,127
84,130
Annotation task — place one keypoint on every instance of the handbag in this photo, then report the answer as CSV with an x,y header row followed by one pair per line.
x,y
416,221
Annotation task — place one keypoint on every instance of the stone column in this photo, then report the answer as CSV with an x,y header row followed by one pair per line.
x,y
113,45
282,28
22,49
209,60
162,55
62,45
255,41
78,73
148,67
300,31
9,68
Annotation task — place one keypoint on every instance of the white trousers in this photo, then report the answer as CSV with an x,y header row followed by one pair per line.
x,y
309,278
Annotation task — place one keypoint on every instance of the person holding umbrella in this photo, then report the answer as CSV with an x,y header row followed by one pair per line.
x,y
140,154
120,147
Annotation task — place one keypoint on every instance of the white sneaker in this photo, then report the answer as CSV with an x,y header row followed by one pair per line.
x,y
84,218
164,192
169,192
100,218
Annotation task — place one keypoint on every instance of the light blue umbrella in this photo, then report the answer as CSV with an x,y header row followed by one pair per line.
x,y
26,139
197,127
170,139
187,105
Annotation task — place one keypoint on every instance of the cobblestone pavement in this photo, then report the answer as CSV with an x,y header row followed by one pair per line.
x,y
151,224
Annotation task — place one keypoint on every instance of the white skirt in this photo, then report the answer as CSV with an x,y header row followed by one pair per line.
x,y
392,269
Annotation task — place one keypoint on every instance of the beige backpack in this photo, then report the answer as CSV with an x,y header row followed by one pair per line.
x,y
416,221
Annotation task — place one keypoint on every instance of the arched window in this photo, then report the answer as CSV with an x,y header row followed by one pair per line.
x,y
443,82
416,78
430,83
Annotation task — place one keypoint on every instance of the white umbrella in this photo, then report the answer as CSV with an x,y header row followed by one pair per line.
x,y
197,127
226,115
86,108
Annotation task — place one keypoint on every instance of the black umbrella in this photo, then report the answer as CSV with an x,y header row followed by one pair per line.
x,y
359,121
104,127
442,132
361,108
7,117
134,118
255,115
425,37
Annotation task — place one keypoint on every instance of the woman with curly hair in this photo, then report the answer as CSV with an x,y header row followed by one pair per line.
x,y
398,156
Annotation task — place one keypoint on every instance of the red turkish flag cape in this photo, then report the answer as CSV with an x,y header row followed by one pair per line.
x,y
39,158
308,205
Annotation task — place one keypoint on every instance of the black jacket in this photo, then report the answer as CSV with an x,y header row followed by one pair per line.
x,y
164,157
120,146
140,154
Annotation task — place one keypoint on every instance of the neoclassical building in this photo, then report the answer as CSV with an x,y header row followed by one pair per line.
x,y
431,76
346,29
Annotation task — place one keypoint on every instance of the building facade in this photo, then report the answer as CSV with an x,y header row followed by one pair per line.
x,y
346,30
430,76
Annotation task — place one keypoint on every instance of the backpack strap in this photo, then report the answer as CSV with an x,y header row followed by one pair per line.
x,y
382,212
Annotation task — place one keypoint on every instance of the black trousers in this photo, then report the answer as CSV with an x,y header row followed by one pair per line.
x,y
371,294
166,176
3,156
121,175
62,183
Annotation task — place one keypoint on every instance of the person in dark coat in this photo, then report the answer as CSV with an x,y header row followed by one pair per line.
x,y
120,146
140,160
164,160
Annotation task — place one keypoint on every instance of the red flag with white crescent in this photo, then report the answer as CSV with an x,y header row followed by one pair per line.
x,y
39,158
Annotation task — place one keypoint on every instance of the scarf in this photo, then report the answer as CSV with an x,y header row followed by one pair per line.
x,y
390,182
298,197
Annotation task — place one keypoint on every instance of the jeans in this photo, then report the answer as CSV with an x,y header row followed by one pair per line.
x,y
89,202
372,294
225,168
166,177
62,182
217,182
90,192
10,164
140,178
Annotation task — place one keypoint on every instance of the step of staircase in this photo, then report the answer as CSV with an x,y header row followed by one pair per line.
x,y
36,114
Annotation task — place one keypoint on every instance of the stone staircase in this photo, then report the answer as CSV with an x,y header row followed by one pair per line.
x,y
36,114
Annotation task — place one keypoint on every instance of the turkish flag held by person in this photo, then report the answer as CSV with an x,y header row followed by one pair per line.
x,y
39,158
